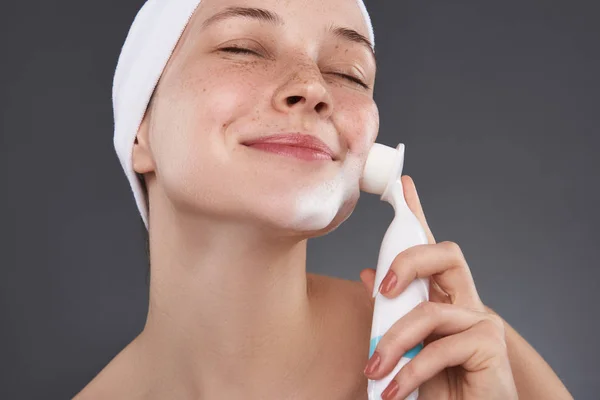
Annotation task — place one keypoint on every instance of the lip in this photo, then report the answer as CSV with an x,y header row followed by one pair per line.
x,y
294,139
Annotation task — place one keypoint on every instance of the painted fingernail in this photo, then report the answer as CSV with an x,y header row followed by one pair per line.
x,y
388,282
390,391
373,363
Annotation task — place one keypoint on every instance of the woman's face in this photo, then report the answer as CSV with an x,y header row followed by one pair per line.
x,y
210,100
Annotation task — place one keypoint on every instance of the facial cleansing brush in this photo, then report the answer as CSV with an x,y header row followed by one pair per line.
x,y
381,176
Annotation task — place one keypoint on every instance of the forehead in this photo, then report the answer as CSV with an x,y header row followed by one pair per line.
x,y
317,15
341,9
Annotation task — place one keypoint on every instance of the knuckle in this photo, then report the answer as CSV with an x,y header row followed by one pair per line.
x,y
404,258
488,326
438,348
427,308
492,332
497,321
456,253
452,246
411,372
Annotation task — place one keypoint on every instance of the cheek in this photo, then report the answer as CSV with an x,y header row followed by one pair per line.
x,y
187,133
196,109
221,96
358,119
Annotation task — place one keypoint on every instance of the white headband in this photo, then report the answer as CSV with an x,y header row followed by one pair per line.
x,y
150,42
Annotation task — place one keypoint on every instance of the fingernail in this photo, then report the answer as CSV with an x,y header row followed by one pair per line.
x,y
373,363
388,282
390,391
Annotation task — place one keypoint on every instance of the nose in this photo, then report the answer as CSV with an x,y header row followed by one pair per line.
x,y
304,91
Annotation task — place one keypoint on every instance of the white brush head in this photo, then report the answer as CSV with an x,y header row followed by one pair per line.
x,y
382,162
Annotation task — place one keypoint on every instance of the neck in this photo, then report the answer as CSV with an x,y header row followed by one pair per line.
x,y
229,306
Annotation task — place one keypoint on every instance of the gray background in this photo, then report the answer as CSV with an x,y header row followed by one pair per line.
x,y
497,103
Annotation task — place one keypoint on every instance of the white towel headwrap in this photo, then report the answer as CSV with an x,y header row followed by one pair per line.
x,y
150,42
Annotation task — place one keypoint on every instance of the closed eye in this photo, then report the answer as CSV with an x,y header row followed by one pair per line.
x,y
238,50
353,79
247,51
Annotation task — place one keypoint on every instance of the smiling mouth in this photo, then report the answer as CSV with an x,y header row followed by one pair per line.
x,y
293,144
290,150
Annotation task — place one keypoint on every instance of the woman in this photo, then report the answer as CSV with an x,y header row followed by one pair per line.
x,y
233,313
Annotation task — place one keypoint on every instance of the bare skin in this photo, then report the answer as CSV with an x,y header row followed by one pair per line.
x,y
499,361
232,312
336,372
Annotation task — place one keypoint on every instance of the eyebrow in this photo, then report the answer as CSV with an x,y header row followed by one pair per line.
x,y
270,17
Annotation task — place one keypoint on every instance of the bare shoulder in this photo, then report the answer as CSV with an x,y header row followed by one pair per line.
x,y
347,312
117,380
343,295
348,309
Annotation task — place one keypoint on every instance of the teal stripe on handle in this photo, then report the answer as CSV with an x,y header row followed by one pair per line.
x,y
374,342
409,354
414,351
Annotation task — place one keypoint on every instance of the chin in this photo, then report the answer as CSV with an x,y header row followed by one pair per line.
x,y
343,214
318,221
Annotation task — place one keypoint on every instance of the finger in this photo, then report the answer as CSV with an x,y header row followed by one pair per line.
x,y
444,262
367,276
414,203
424,320
478,348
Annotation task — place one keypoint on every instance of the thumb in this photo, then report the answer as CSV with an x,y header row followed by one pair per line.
x,y
412,199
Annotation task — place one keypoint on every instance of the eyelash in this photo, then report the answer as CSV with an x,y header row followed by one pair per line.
x,y
247,51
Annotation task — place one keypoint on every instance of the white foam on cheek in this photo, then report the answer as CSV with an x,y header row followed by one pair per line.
x,y
318,206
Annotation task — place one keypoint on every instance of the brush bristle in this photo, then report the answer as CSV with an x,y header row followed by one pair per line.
x,y
379,166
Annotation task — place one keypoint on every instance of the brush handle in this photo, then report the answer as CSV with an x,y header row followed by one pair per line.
x,y
405,231
386,313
